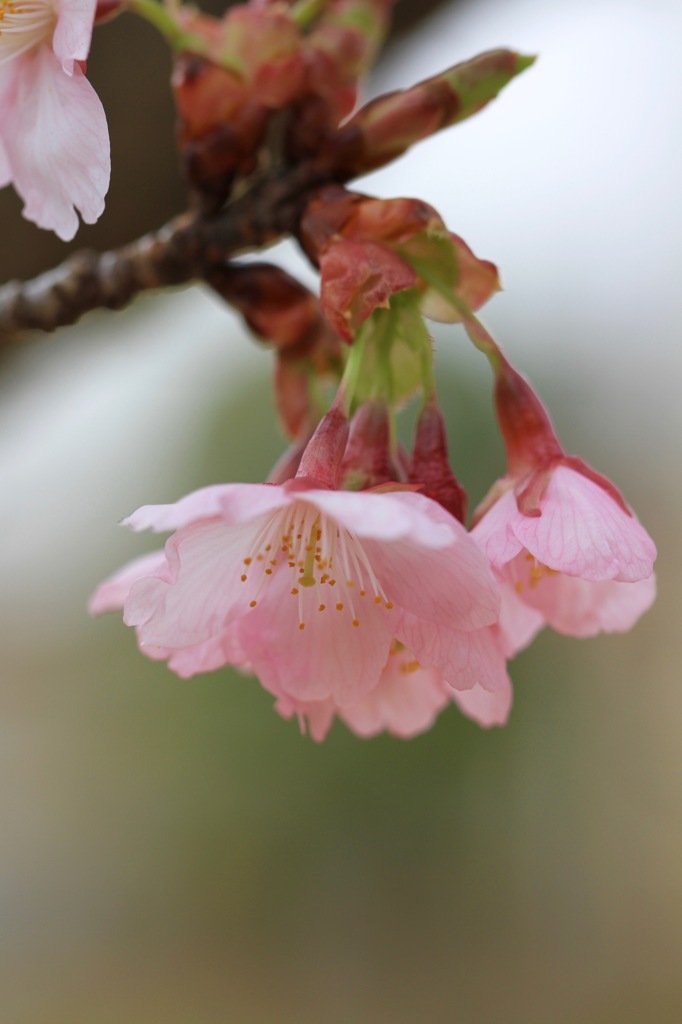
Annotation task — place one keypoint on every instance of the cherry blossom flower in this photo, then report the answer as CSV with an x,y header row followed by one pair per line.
x,y
54,144
559,534
310,587
585,563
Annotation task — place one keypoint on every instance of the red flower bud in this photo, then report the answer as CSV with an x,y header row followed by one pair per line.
x,y
367,462
430,466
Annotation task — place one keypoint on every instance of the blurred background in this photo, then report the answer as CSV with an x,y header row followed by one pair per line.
x,y
174,852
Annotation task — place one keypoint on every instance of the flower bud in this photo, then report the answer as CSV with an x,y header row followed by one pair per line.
x,y
367,462
322,458
430,466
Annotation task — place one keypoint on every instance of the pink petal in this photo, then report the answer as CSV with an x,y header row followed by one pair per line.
x,y
234,503
451,586
319,715
56,140
389,516
405,702
203,592
71,40
428,551
519,623
112,593
494,533
484,707
463,658
584,608
583,532
224,649
330,657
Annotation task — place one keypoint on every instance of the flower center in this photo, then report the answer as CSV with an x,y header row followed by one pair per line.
x,y
319,556
23,25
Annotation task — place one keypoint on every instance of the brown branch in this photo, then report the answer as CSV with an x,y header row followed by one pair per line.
x,y
182,251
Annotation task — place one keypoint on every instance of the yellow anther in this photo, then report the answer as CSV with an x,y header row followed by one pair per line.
x,y
252,604
339,607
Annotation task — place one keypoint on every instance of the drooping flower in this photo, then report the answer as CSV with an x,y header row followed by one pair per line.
x,y
559,534
309,587
54,143
584,563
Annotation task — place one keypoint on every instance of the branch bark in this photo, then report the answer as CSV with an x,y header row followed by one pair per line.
x,y
183,250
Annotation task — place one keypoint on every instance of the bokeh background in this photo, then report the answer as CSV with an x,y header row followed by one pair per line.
x,y
172,851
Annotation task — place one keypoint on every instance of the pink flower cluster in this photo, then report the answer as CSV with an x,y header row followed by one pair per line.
x,y
377,606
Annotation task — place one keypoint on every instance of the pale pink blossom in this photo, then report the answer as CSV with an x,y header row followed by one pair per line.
x,y
309,588
580,559
54,143
405,702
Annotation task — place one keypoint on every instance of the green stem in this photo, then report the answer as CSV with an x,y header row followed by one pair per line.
x,y
164,22
479,335
349,381
382,341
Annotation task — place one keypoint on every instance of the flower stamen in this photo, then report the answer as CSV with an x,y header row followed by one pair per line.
x,y
311,542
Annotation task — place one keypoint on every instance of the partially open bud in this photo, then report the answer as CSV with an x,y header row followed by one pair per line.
x,y
430,466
